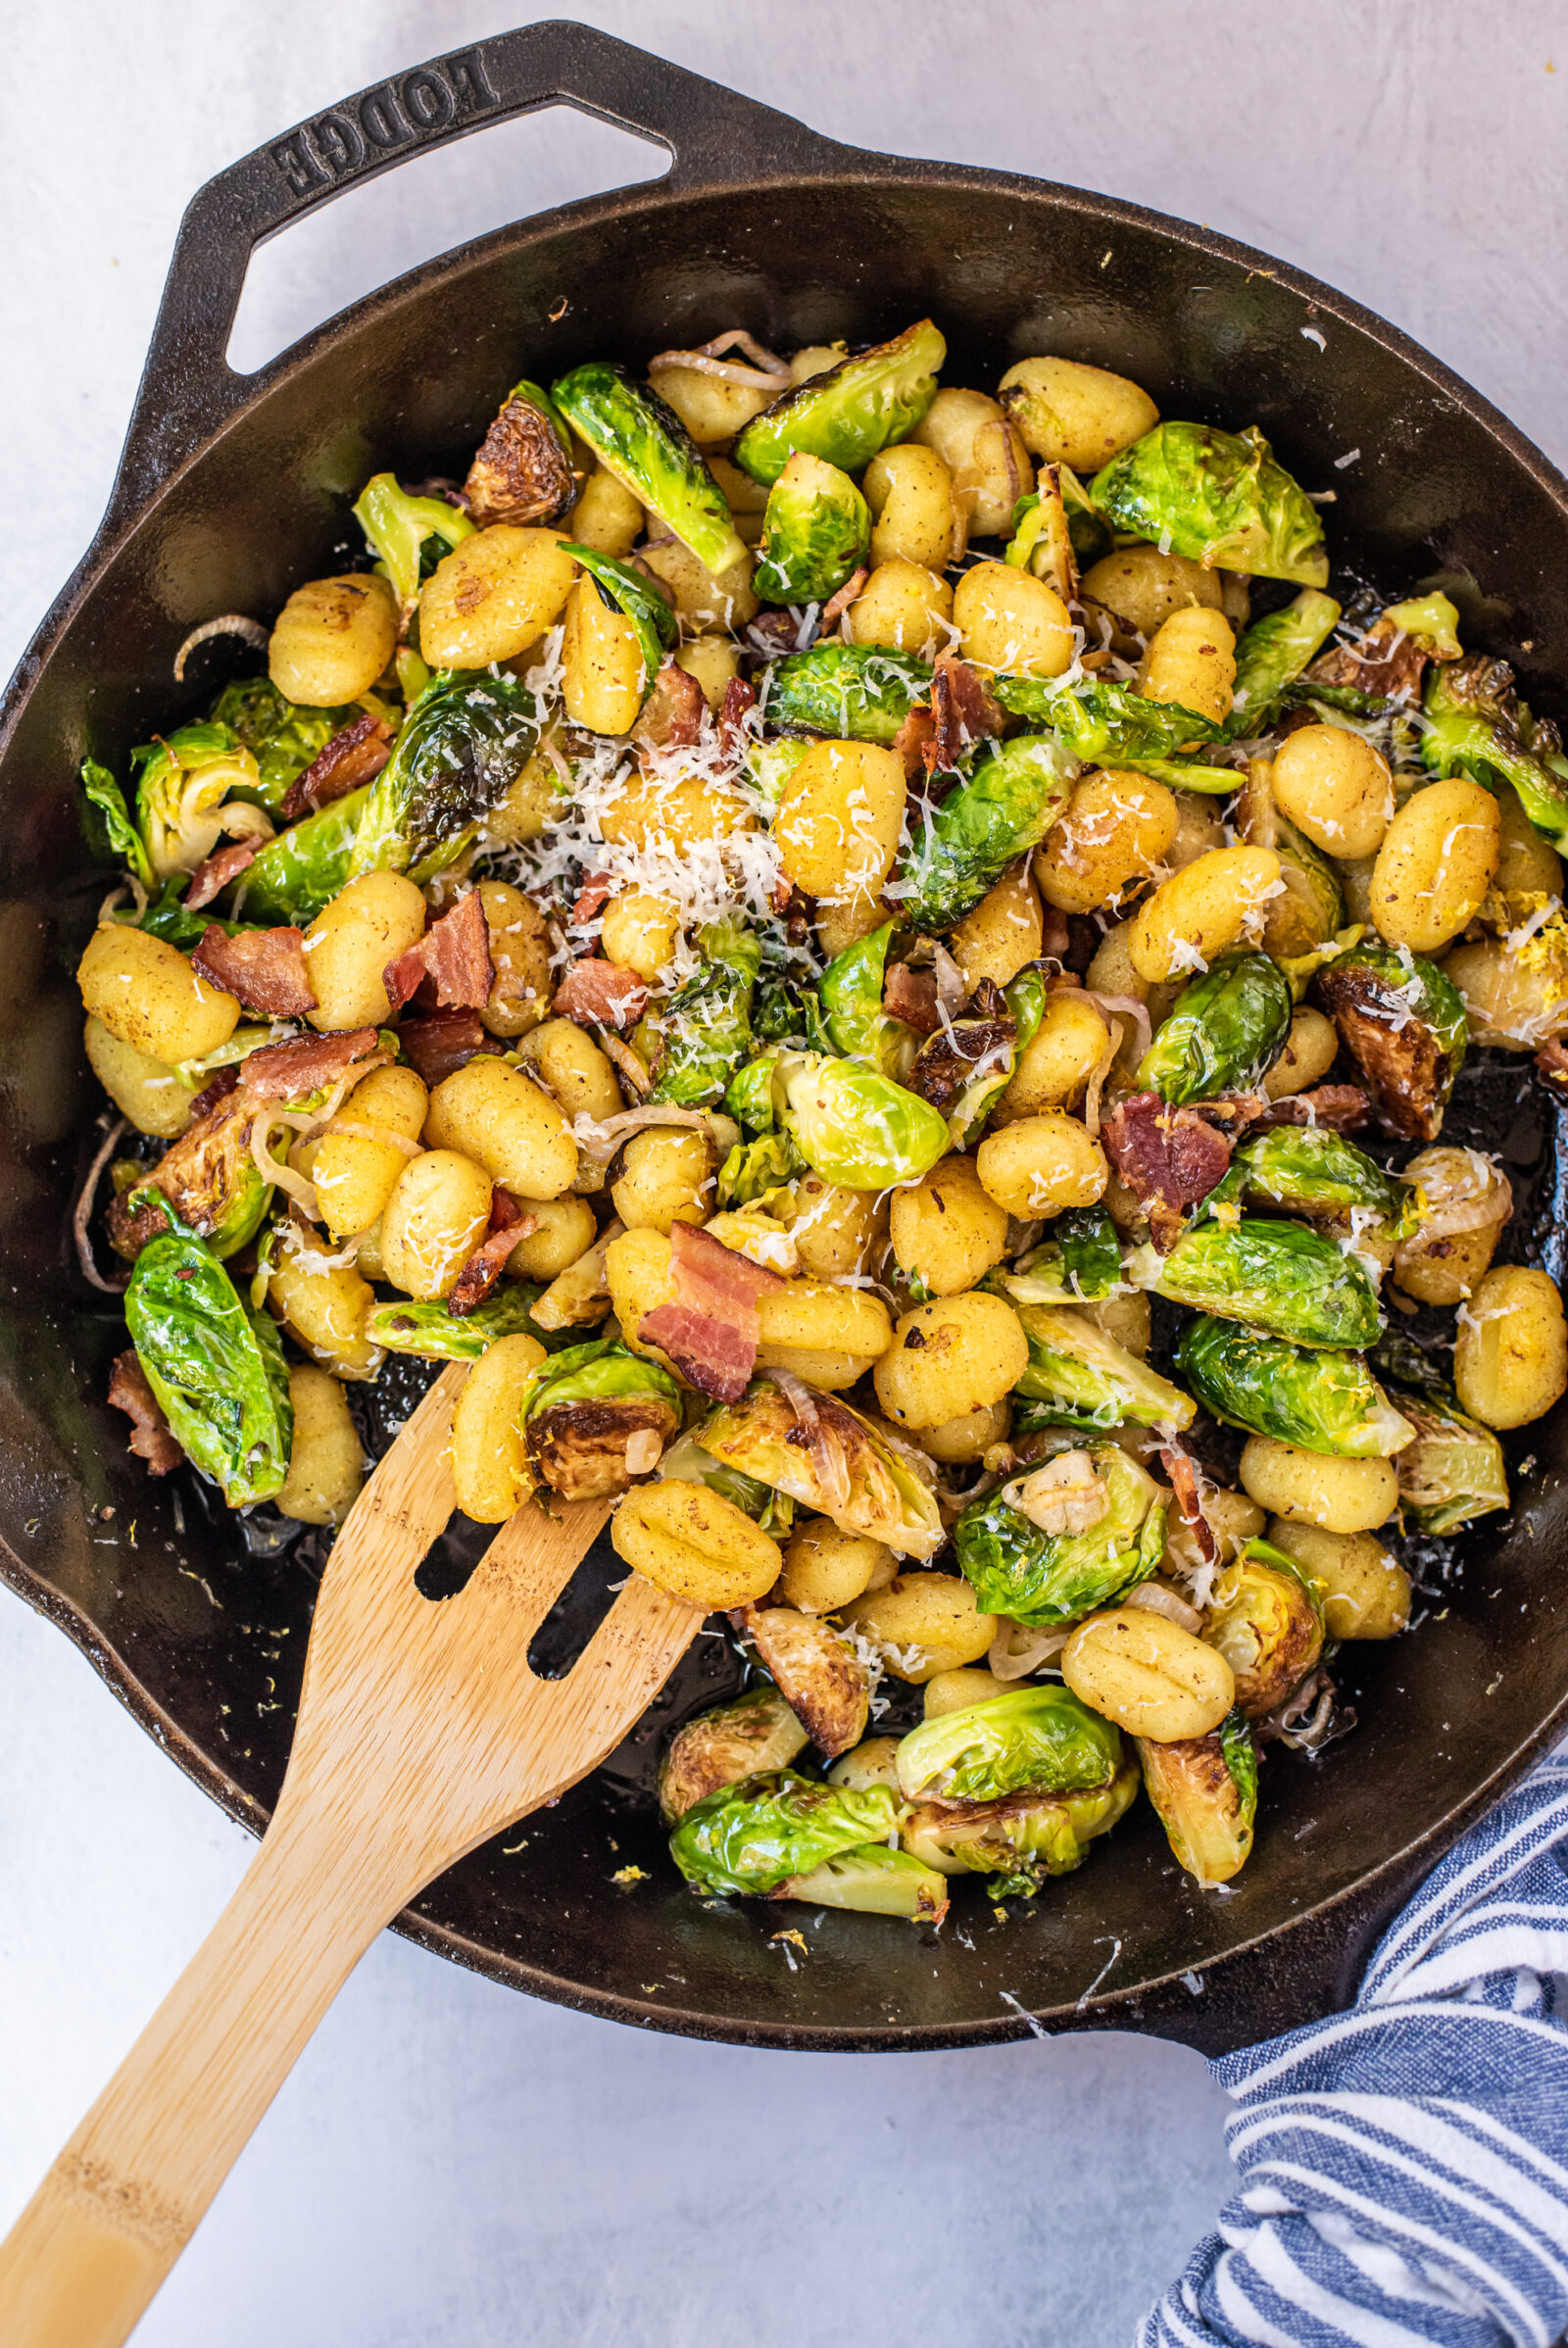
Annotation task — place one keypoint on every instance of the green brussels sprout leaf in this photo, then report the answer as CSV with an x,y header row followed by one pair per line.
x,y
1276,1277
1027,1741
755,1836
641,441
815,532
1017,1568
1223,1033
1317,1398
1218,498
850,413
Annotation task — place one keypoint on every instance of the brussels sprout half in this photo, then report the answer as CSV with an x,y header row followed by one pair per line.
x,y
1218,498
217,1369
1223,1033
817,530
1272,653
583,1406
875,1881
1023,1740
849,992
1474,726
755,1836
1020,1840
435,1333
399,529
1004,808
1078,1377
211,1180
1312,1171
705,1029
1277,1277
1402,1020
189,788
1264,1619
302,869
465,739
1040,1578
521,473
1454,1471
641,441
1108,725
850,413
282,737
753,1168
754,1735
1206,1793
857,1128
1318,1400
854,692
846,1470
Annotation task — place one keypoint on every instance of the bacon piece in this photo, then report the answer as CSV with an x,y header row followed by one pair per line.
x,y
210,878
1171,1157
911,995
915,742
305,1063
1551,1065
264,967
443,1042
672,714
129,1392
837,605
601,993
353,757
593,897
775,633
964,711
224,1082
478,1276
1188,1486
454,951
1341,1107
709,1328
740,698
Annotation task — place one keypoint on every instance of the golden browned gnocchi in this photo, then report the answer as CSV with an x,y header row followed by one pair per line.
x,y
1510,1359
950,1358
1069,414
1115,831
332,640
1436,864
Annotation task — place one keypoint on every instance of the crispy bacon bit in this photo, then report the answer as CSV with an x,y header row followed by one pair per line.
x,y
911,995
150,1438
305,1063
227,864
672,714
440,1043
454,951
520,474
964,711
837,605
353,757
740,698
1188,1486
1341,1107
915,742
773,633
593,897
1384,662
1552,1065
264,967
484,1267
224,1081
1171,1157
978,1043
602,994
710,1326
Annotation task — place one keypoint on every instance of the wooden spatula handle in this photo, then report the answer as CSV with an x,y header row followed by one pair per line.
x,y
127,2191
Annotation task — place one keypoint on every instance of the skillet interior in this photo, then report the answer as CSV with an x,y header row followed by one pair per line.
x,y
206,1643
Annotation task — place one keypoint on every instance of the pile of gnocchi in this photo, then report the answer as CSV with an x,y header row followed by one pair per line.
x,y
828,934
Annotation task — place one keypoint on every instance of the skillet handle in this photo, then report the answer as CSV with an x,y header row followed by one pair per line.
x,y
188,390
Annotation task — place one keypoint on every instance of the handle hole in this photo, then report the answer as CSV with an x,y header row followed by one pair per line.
x,y
382,227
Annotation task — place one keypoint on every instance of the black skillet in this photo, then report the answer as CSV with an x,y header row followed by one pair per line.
x,y
231,490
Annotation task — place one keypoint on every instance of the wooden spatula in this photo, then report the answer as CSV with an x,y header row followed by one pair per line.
x,y
422,1731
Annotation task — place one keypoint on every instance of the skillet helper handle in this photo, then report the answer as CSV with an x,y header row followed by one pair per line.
x,y
120,2204
188,390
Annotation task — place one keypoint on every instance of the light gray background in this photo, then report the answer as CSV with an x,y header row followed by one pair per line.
x,y
451,2164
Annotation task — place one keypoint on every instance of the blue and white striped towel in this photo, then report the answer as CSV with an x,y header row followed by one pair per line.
x,y
1404,2164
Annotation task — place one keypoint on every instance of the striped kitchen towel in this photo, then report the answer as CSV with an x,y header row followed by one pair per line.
x,y
1404,2164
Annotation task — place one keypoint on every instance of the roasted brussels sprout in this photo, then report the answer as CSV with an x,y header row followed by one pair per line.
x,y
874,1880
1205,1792
843,417
756,1734
1264,1620
705,1027
1020,1840
626,590
1023,1740
849,992
753,1168
1218,498
1108,725
1223,1033
1080,1263
1069,1537
755,1836
1317,1398
641,441
857,1128
845,1469
398,529
1276,1277
1474,726
1309,1170
521,473
854,692
464,741
193,788
435,1333
593,1414
816,531
1078,1377
823,1682
1454,1471
1402,1020
1272,653
215,1368
282,737
212,1179
1004,808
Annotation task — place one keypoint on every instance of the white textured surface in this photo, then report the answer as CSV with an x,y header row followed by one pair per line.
x,y
452,2164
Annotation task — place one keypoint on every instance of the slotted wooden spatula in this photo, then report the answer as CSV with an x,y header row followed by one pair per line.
x,y
422,1731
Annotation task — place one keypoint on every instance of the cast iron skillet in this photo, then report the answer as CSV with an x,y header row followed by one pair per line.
x,y
231,490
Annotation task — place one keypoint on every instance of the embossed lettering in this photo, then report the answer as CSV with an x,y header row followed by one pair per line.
x,y
379,118
426,100
298,164
468,76
338,143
